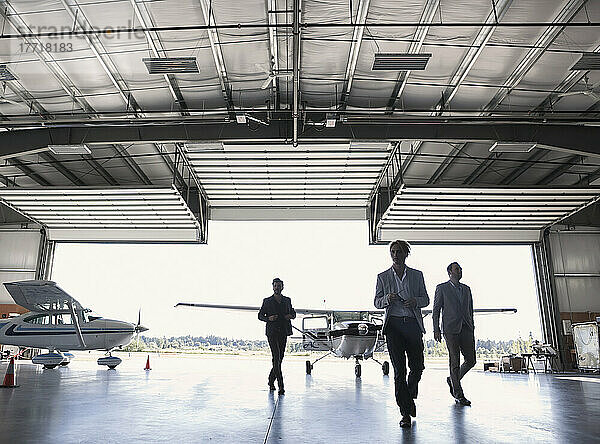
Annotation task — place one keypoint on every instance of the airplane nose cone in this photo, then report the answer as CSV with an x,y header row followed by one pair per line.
x,y
140,329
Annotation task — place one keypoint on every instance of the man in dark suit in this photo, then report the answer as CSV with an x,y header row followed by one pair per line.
x,y
401,291
277,311
455,302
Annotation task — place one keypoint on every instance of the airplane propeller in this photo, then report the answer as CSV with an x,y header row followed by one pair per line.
x,y
139,328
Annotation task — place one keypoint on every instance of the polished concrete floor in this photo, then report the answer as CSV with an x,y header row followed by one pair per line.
x,y
224,399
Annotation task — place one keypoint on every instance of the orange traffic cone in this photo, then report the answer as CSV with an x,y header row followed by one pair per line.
x,y
9,377
147,364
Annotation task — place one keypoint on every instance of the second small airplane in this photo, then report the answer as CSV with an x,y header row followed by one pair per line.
x,y
346,334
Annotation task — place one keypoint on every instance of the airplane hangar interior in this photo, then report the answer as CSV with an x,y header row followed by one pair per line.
x,y
438,122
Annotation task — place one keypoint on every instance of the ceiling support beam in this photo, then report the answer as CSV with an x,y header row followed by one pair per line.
x,y
415,149
157,49
121,152
29,172
215,46
61,169
566,85
12,17
550,34
274,50
427,17
519,171
499,9
388,183
446,163
588,179
357,37
577,139
96,46
556,173
481,169
100,170
296,71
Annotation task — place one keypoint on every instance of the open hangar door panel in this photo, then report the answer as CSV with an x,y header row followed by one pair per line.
x,y
474,215
93,214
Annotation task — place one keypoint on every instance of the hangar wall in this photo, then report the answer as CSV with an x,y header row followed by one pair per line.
x,y
21,255
574,265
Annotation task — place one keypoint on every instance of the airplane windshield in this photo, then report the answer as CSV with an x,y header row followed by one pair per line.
x,y
90,316
339,316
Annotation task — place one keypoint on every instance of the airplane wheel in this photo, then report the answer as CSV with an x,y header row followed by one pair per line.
x,y
112,367
308,367
64,364
50,366
357,370
386,368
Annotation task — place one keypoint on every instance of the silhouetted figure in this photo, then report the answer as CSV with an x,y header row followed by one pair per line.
x,y
401,291
277,311
455,302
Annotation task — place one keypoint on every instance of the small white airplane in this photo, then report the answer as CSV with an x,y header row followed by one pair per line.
x,y
345,334
58,322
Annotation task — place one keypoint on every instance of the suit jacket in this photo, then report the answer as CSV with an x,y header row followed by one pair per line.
x,y
386,283
455,308
270,307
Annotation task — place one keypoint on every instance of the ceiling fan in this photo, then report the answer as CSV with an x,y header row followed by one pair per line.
x,y
272,75
588,91
272,78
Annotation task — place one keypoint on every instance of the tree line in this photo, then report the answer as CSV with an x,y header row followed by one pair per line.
x,y
486,348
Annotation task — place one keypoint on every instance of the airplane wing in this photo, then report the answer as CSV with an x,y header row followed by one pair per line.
x,y
41,296
309,311
301,311
481,311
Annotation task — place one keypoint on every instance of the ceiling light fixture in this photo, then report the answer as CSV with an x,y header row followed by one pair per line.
x,y
171,65
393,61
512,147
194,147
69,149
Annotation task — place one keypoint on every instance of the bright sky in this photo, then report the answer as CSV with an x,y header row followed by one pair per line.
x,y
323,265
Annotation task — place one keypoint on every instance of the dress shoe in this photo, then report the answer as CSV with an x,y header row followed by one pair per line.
x,y
463,401
413,410
450,385
405,422
281,392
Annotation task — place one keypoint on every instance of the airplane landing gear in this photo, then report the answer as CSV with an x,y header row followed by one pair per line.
x,y
110,361
309,367
385,368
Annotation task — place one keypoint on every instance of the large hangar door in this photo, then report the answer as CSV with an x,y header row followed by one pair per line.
x,y
20,255
575,268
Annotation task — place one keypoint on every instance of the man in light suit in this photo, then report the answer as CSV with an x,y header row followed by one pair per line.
x,y
455,302
401,291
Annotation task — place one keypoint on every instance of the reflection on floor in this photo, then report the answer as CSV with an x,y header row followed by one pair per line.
x,y
225,399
